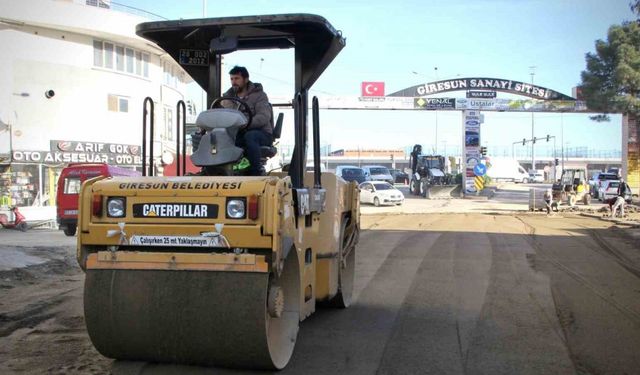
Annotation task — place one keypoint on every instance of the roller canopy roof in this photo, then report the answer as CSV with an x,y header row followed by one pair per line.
x,y
316,42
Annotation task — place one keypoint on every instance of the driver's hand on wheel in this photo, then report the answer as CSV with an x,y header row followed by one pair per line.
x,y
195,140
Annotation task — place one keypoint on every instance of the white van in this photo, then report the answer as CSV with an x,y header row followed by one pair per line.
x,y
507,169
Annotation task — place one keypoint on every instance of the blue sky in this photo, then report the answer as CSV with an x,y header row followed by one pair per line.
x,y
402,42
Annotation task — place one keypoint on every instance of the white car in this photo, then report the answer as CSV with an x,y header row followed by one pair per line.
x,y
537,177
380,193
609,189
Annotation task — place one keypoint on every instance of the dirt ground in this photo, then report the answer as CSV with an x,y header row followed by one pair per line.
x,y
464,293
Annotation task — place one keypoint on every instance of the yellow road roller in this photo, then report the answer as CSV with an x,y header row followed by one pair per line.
x,y
219,268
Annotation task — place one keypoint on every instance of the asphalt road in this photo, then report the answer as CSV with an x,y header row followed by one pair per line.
x,y
434,294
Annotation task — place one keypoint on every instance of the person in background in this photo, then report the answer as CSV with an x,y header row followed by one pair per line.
x,y
548,200
623,190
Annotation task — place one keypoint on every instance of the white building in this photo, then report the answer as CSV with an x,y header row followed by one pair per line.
x,y
73,77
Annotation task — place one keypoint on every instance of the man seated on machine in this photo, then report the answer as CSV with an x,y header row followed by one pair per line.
x,y
260,132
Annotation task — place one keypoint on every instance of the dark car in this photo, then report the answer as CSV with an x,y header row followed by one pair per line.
x,y
351,173
399,176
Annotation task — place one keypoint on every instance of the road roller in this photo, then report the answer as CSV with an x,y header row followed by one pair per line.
x,y
218,268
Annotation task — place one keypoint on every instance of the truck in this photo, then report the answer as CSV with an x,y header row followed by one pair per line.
x,y
507,169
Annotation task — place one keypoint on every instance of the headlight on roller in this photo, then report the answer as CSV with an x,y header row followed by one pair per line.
x,y
116,207
236,208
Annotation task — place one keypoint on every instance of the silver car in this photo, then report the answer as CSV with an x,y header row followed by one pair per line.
x,y
378,173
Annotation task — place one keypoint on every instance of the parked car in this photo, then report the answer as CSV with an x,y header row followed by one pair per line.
x,y
351,173
380,193
596,182
537,177
399,176
377,173
609,189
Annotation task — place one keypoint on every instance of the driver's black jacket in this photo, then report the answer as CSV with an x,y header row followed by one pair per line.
x,y
259,104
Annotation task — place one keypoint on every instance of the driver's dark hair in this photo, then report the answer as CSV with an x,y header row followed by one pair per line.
x,y
241,70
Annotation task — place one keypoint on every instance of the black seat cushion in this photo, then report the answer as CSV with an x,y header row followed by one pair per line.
x,y
268,151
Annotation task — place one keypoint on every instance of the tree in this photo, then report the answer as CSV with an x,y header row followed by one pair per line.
x,y
611,82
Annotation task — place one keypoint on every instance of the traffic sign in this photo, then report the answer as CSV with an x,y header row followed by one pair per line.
x,y
480,169
479,183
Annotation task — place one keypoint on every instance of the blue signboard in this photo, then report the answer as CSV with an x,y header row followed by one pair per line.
x,y
480,169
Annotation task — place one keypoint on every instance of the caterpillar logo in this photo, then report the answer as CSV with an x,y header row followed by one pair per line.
x,y
175,210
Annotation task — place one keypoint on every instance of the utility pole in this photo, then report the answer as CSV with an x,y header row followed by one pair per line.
x,y
562,137
435,69
533,144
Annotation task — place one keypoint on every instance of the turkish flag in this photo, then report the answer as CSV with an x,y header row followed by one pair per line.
x,y
372,88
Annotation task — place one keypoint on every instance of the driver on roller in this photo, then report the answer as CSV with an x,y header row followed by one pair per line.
x,y
261,129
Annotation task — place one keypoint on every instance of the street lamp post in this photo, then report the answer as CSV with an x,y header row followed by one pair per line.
x,y
435,69
562,136
533,144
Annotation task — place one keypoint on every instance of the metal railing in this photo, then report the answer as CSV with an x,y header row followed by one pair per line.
x,y
108,4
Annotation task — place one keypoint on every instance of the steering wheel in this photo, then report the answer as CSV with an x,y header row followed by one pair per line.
x,y
243,107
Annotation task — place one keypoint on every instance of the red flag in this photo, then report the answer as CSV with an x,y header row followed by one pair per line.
x,y
372,88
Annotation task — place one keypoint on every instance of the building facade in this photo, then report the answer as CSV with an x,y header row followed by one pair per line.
x,y
74,76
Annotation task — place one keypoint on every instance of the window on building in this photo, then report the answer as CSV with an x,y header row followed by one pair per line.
x,y
145,65
120,58
138,63
117,103
129,55
123,105
168,123
127,60
99,3
108,55
97,53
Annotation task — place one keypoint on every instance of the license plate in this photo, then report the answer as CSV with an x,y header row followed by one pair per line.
x,y
187,241
70,212
194,57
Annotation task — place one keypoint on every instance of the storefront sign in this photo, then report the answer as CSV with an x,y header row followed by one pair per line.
x,y
434,103
94,147
59,157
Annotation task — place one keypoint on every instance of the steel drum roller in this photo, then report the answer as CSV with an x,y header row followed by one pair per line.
x,y
192,317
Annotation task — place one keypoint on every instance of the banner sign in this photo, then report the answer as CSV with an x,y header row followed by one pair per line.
x,y
449,104
493,84
481,94
434,103
527,105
